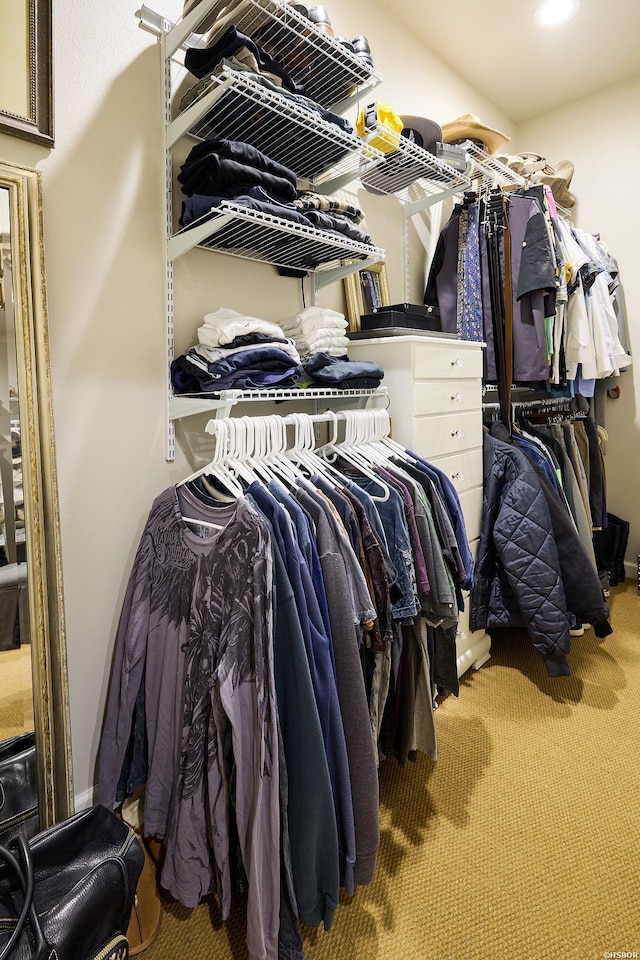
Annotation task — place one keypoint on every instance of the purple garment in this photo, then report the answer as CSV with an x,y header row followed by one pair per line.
x,y
421,567
452,502
153,629
229,697
202,601
393,518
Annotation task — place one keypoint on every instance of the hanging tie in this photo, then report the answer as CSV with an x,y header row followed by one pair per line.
x,y
472,325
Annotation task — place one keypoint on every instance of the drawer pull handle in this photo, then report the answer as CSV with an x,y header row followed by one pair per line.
x,y
457,475
456,397
457,434
458,362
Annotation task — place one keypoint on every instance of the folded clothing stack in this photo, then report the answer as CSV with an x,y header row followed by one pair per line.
x,y
228,168
330,213
218,170
238,48
236,352
245,67
341,373
317,329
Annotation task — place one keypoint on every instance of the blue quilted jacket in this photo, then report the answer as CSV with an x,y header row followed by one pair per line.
x,y
517,579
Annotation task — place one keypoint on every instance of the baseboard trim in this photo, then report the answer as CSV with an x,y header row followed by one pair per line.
x,y
84,800
631,569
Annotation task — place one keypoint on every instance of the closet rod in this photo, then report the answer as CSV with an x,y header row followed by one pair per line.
x,y
290,419
550,404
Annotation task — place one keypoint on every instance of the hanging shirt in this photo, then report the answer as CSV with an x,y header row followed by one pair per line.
x,y
229,697
351,691
153,629
324,690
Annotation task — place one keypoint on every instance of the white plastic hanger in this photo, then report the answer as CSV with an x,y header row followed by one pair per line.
x,y
348,451
216,467
284,468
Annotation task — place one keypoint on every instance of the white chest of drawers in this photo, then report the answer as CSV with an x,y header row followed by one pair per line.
x,y
435,391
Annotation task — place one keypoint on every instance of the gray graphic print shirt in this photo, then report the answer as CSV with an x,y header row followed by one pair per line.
x,y
196,629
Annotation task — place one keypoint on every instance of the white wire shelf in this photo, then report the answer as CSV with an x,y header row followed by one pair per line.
x,y
489,170
187,405
237,106
253,235
331,75
411,164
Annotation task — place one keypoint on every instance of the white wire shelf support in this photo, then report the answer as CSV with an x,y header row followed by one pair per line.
x,y
169,306
410,164
221,404
334,78
324,156
331,74
489,170
239,231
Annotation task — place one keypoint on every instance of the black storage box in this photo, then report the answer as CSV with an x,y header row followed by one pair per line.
x,y
413,316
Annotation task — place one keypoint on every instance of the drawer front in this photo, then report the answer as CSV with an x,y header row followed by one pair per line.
x,y
444,361
463,469
434,396
471,503
438,435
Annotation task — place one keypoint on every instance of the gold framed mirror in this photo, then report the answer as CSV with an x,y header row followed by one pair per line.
x,y
29,528
26,70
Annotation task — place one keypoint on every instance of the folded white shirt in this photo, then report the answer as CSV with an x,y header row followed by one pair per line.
x,y
314,318
332,351
225,325
323,333
336,346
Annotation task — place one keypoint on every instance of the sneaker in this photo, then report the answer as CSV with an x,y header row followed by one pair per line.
x,y
577,630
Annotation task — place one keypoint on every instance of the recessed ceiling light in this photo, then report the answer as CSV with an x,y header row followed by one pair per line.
x,y
552,13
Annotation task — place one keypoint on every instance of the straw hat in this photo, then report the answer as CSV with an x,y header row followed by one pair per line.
x,y
537,169
559,179
469,127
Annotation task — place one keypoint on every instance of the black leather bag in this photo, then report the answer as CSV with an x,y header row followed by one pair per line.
x,y
18,790
68,894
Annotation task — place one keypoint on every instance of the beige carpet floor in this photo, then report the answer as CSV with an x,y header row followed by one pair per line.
x,y
16,699
522,842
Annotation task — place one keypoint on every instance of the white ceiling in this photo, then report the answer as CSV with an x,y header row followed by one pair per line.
x,y
524,69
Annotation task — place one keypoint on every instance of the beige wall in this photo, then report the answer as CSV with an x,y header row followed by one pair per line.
x,y
601,135
103,226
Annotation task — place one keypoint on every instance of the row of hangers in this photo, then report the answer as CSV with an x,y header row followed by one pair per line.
x,y
248,449
547,411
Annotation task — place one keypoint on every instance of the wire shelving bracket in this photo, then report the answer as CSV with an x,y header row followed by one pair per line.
x,y
239,231
331,74
324,156
409,164
222,403
489,170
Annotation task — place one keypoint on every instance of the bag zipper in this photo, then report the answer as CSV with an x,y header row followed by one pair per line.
x,y
131,836
16,819
118,946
